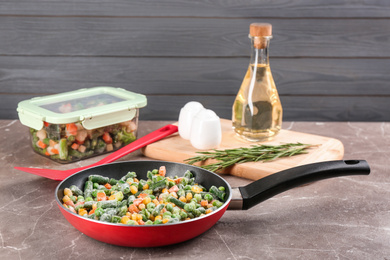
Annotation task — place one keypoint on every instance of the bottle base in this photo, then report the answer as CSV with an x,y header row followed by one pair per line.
x,y
258,136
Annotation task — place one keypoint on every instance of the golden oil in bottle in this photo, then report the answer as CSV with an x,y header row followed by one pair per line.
x,y
257,111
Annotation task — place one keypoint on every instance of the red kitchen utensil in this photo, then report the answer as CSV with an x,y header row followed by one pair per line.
x,y
237,198
60,175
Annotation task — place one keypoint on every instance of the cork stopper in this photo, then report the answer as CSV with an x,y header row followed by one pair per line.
x,y
260,30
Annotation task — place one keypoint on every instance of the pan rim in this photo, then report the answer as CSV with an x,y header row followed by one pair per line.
x,y
223,207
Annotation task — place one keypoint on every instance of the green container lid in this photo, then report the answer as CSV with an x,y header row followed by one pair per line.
x,y
94,107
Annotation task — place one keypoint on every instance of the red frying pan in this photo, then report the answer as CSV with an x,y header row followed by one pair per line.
x,y
239,198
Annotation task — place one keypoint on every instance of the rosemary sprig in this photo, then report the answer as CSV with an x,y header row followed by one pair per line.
x,y
254,153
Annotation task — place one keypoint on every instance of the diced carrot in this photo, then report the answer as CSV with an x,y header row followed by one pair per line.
x,y
91,211
55,151
138,201
75,146
41,144
142,195
173,189
178,180
46,124
79,142
162,171
107,138
47,153
204,203
71,129
72,209
133,208
101,196
141,222
107,185
69,203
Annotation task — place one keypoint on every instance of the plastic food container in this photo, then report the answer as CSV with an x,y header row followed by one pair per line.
x,y
76,125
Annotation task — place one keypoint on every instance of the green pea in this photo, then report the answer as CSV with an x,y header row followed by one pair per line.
x,y
208,197
169,207
198,197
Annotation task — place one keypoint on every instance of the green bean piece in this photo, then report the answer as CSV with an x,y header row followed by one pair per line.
x,y
88,187
115,219
129,175
76,190
158,209
122,211
183,215
188,174
158,186
220,194
202,210
88,204
63,149
113,181
177,202
106,217
107,204
92,216
217,203
98,179
173,220
124,187
149,175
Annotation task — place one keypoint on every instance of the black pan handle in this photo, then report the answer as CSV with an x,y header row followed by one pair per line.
x,y
279,182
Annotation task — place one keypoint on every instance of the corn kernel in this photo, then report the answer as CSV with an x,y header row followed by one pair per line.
x,y
155,201
82,212
189,196
209,211
146,200
165,220
158,217
139,217
136,180
112,197
66,198
165,190
68,192
128,214
183,199
141,206
145,187
124,219
196,189
133,189
134,216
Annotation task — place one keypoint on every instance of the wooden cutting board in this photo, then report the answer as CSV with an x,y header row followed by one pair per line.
x,y
176,149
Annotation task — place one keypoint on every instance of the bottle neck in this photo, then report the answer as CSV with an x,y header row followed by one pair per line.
x,y
259,50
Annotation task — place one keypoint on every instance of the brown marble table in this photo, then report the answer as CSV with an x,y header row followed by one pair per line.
x,y
339,218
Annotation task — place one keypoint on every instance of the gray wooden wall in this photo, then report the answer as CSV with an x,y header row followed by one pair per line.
x,y
330,59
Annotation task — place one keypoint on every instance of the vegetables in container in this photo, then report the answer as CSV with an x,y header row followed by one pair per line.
x,y
79,124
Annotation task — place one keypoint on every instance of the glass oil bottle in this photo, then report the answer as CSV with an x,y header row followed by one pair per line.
x,y
257,111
